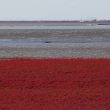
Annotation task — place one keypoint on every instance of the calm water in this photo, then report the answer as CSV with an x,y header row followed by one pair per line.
x,y
58,27
57,42
30,43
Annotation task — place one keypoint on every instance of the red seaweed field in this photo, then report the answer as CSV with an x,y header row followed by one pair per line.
x,y
55,84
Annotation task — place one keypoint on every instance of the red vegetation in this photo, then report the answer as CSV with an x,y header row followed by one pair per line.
x,y
55,84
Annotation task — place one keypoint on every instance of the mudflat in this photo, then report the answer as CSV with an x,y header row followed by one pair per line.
x,y
54,40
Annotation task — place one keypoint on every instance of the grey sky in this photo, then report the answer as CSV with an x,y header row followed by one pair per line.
x,y
54,9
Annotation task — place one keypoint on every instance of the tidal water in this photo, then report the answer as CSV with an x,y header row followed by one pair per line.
x,y
55,42
30,43
89,26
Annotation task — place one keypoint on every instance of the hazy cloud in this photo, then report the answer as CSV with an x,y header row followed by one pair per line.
x,y
54,9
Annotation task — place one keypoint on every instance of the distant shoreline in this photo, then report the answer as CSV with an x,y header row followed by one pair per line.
x,y
55,21
100,22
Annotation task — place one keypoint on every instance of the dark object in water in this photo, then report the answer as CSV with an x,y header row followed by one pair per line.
x,y
48,42
104,24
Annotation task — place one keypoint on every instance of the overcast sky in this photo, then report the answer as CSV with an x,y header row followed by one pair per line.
x,y
54,9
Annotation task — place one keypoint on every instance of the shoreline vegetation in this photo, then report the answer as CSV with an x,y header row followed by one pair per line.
x,y
56,84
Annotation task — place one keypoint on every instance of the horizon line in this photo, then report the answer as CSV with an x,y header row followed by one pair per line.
x,y
54,20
